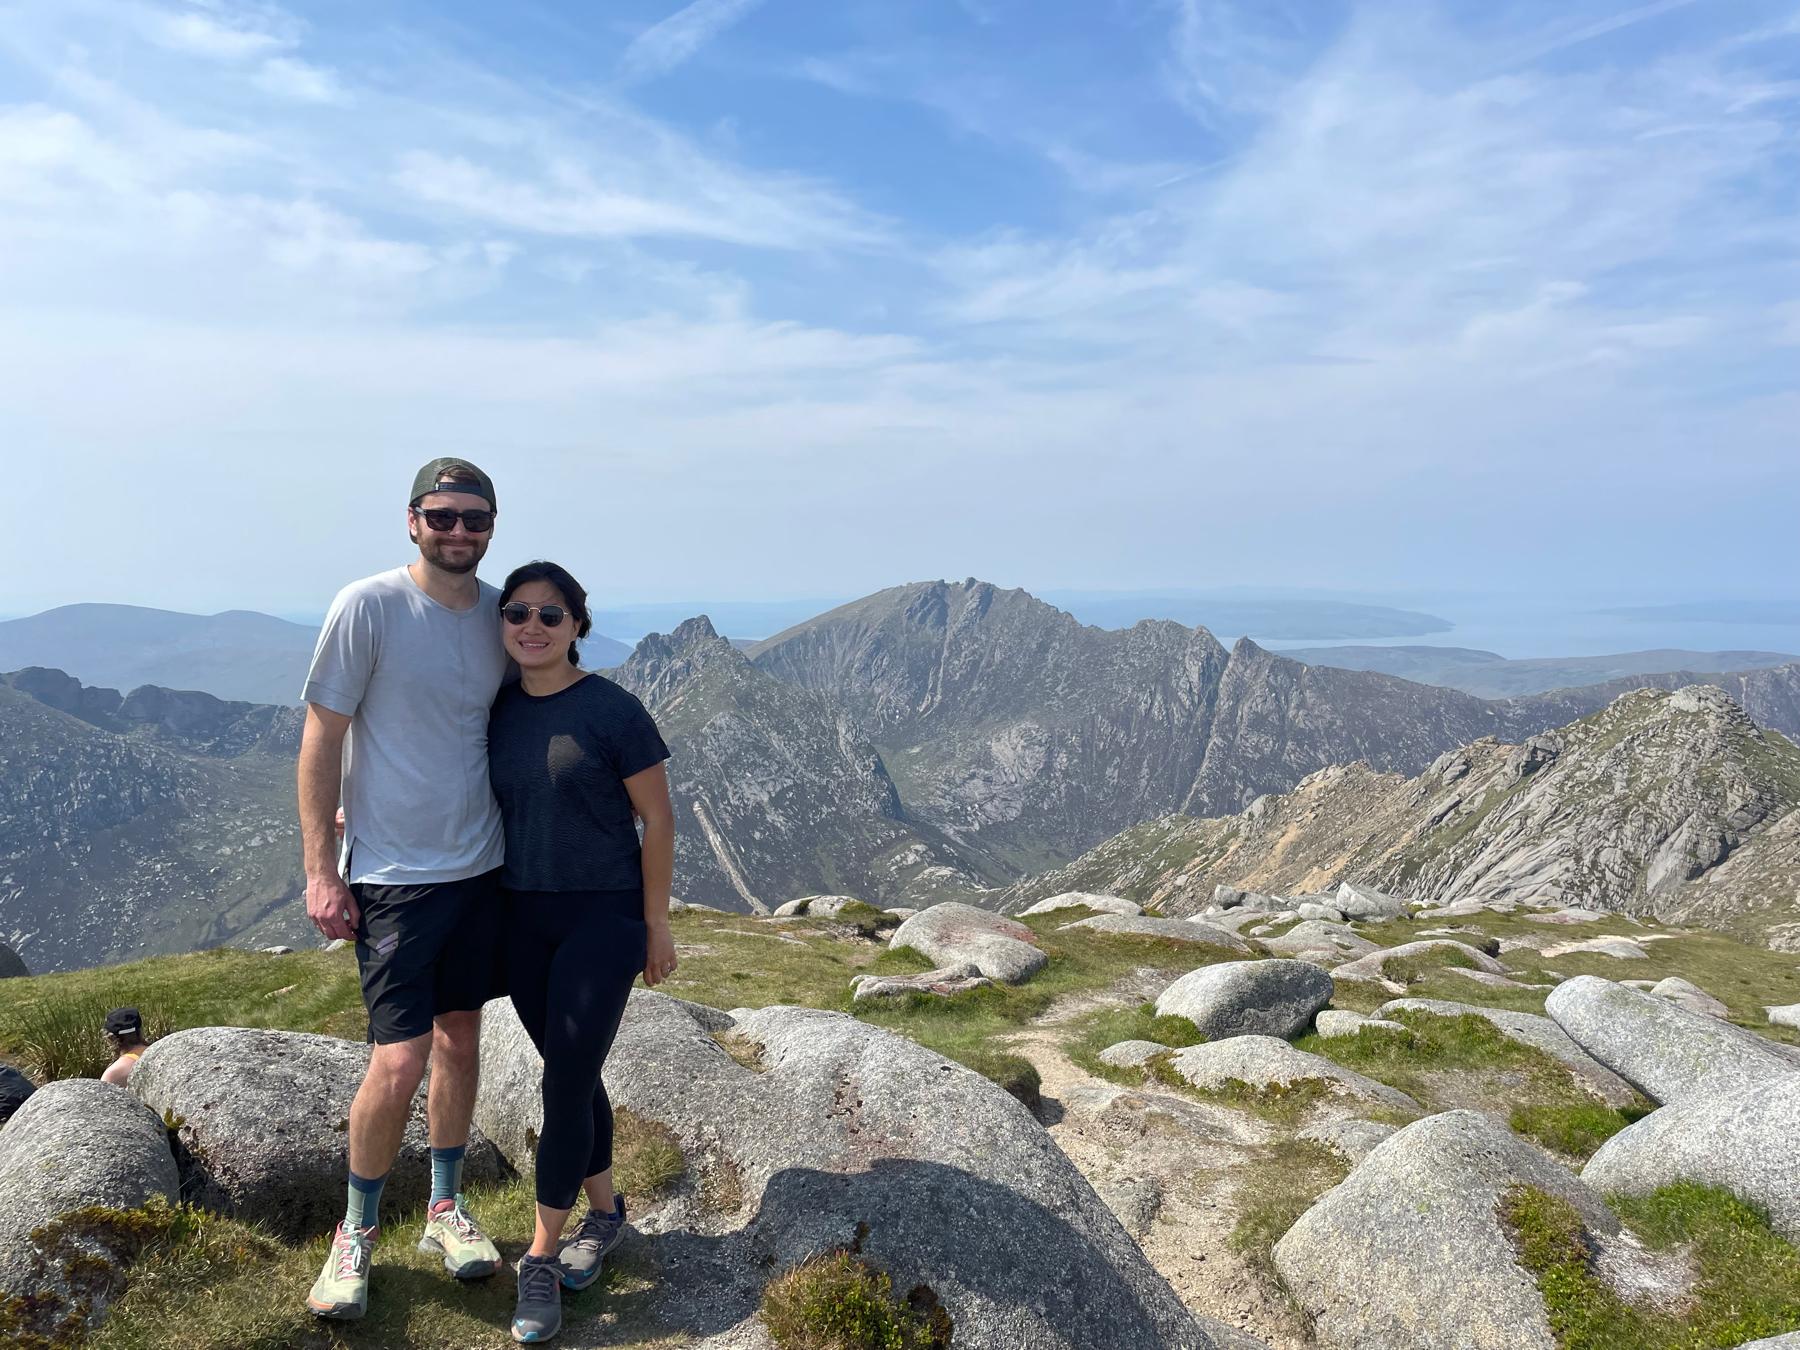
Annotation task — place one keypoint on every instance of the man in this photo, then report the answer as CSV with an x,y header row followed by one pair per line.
x,y
397,706
125,1038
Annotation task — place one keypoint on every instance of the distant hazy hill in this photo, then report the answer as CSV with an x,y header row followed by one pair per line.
x,y
1491,675
235,655
1675,804
239,654
1271,617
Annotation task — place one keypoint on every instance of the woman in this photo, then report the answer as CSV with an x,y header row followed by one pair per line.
x,y
573,757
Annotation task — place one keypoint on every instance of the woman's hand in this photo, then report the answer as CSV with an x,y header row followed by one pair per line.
x,y
659,954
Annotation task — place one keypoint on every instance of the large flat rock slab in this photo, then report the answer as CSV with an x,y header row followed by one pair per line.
x,y
1100,904
1745,1139
1313,939
1373,965
1665,1051
809,1130
1265,1063
952,933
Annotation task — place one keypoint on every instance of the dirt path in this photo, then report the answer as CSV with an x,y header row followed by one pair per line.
x,y
1165,1164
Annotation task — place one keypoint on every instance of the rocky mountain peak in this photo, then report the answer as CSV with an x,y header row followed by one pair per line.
x,y
1667,802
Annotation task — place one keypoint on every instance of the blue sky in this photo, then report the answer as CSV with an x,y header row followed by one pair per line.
x,y
758,298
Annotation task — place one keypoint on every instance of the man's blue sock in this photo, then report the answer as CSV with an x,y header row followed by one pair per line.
x,y
446,1172
364,1207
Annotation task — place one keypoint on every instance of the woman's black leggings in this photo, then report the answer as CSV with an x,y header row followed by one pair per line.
x,y
571,958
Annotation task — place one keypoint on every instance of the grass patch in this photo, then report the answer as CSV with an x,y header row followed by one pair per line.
x,y
1748,1285
741,1048
1015,1073
1448,1062
1429,1041
1410,970
1280,1185
218,1285
1283,1103
61,1038
1093,1032
840,1302
1574,1129
647,1157
52,1022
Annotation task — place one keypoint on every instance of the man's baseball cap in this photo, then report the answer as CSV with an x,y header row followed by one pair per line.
x,y
124,1022
430,479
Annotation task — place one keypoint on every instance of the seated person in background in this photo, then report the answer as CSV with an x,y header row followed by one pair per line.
x,y
125,1034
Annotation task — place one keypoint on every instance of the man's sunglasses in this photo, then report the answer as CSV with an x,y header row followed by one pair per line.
x,y
549,615
443,519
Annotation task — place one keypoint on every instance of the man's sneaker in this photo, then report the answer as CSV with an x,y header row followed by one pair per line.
x,y
342,1289
450,1232
595,1236
538,1316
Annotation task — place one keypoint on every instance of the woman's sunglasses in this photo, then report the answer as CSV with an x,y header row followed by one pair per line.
x,y
443,519
549,615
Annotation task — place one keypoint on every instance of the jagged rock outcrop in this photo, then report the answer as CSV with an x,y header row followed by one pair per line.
x,y
1022,733
1008,723
1671,804
777,792
816,1131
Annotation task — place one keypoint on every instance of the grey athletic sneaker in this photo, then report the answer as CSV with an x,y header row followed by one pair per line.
x,y
538,1316
595,1236
342,1289
453,1235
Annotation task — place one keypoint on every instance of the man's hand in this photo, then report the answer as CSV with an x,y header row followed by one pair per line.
x,y
331,907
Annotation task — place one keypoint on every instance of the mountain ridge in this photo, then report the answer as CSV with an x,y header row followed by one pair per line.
x,y
1639,808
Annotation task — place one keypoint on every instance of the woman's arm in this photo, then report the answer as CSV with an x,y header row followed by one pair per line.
x,y
649,791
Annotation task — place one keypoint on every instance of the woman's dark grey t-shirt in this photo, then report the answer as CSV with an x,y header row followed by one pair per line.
x,y
559,765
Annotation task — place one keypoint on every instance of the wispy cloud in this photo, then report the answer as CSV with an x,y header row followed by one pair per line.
x,y
659,49
220,31
286,77
1285,267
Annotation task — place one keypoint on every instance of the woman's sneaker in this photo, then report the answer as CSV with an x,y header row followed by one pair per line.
x,y
538,1315
585,1251
452,1234
342,1289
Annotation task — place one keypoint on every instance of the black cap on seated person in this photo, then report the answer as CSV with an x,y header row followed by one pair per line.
x,y
124,1022
431,479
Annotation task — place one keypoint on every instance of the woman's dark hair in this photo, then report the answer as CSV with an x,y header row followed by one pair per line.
x,y
574,598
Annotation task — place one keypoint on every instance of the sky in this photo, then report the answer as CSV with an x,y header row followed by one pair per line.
x,y
757,299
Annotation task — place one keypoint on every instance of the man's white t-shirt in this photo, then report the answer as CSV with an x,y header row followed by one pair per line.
x,y
416,679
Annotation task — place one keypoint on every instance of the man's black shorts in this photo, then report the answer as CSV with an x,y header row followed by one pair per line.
x,y
425,950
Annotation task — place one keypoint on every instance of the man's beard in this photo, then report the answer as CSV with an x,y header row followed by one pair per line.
x,y
433,551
